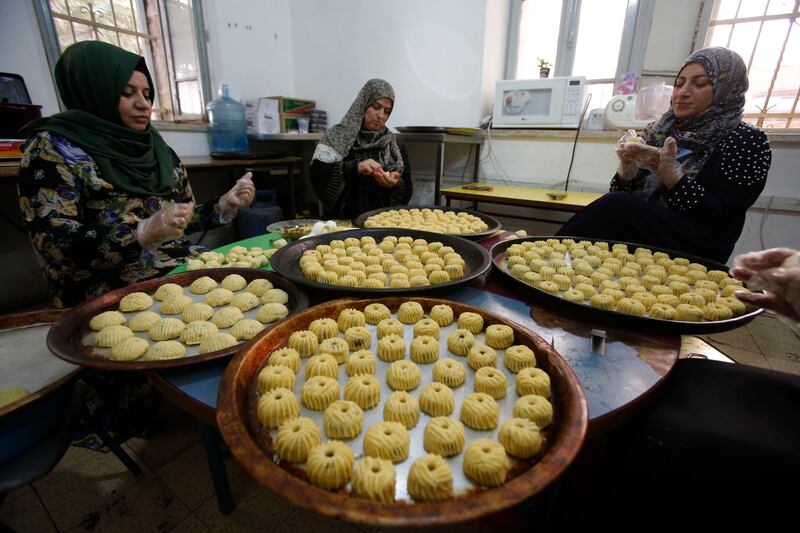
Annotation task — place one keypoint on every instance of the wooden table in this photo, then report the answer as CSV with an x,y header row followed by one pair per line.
x,y
523,196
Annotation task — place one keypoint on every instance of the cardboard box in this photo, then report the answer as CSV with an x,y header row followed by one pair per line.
x,y
289,123
262,115
294,106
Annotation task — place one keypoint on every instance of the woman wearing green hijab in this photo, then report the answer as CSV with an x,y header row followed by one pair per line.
x,y
105,200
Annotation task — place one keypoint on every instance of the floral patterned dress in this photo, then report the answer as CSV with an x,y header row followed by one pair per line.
x,y
85,231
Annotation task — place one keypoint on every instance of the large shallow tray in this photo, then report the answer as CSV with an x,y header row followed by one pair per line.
x,y
67,336
286,260
253,447
492,222
621,320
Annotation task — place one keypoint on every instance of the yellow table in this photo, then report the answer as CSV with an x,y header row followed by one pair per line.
x,y
522,196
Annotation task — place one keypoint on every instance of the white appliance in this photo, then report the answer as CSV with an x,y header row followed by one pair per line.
x,y
539,103
620,113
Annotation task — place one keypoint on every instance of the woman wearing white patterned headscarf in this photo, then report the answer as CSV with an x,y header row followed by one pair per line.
x,y
689,185
358,164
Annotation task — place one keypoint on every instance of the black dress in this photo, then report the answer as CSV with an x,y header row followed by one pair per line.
x,y
702,217
345,193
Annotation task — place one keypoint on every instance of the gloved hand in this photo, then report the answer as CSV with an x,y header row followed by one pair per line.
x,y
240,195
164,225
777,272
627,167
663,161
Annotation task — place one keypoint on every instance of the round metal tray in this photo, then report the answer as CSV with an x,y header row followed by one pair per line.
x,y
67,336
621,320
492,222
286,260
253,446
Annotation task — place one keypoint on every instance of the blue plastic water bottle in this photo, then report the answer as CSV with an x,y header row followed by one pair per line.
x,y
227,128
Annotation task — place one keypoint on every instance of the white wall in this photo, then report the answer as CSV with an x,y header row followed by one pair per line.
x,y
430,51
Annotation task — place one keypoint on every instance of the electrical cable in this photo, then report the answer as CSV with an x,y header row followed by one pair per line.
x,y
575,142
763,219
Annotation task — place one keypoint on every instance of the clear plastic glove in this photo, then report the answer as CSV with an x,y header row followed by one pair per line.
x,y
777,272
627,167
663,161
240,195
164,225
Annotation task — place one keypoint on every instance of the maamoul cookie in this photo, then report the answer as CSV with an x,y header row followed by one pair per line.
x,y
437,399
323,364
471,322
350,318
245,301
330,465
319,392
391,348
631,307
389,326
162,350
518,357
491,381
129,349
430,479
258,287
374,313
342,420
479,411
520,437
246,329
273,377
202,285
499,336
287,357
360,362
279,296
234,282
442,314
480,356
304,342
486,462
427,326
460,341
715,311
276,406
364,390
410,312
272,312
336,347
688,312
217,341
736,306
143,321
166,291
450,372
197,331
358,338
533,381
387,440
324,328
374,479
296,437
166,328
401,407
444,436
218,297
403,375
424,349
198,311
535,408
226,317
105,319
135,301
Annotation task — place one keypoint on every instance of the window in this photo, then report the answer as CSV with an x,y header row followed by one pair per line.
x,y
592,38
766,34
177,63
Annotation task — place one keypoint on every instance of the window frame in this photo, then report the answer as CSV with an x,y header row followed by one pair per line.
x,y
52,49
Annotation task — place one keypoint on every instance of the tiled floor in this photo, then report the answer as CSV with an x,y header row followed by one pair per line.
x,y
93,491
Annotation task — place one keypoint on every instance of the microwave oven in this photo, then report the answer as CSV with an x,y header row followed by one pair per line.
x,y
539,103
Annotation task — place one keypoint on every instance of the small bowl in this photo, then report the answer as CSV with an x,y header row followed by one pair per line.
x,y
293,229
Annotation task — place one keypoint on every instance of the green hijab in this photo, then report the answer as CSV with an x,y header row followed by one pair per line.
x,y
90,76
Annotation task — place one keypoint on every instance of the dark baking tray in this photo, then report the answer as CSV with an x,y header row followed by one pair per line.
x,y
492,222
66,335
621,320
286,260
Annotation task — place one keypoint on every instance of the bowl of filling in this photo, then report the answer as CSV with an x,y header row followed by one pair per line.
x,y
293,229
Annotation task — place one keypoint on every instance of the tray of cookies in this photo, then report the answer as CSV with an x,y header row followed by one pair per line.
x,y
381,261
402,411
625,284
176,320
465,223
